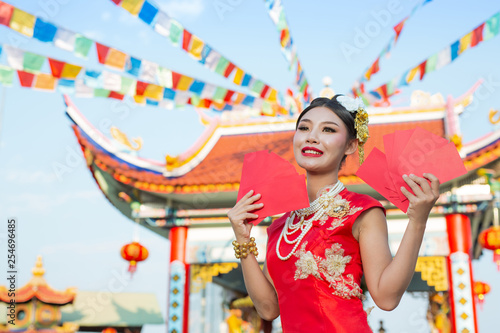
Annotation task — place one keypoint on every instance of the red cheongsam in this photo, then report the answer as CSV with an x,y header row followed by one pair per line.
x,y
319,285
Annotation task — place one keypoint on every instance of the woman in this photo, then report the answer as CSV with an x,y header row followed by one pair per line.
x,y
317,255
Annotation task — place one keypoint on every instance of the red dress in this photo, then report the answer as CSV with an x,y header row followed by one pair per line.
x,y
319,285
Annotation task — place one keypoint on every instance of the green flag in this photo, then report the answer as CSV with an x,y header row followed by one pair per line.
x,y
6,75
82,46
176,30
33,62
492,27
221,65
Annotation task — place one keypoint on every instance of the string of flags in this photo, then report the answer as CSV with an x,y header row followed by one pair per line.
x,y
398,28
73,79
198,49
277,14
34,27
485,31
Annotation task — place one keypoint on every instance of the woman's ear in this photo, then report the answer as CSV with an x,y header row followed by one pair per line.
x,y
351,147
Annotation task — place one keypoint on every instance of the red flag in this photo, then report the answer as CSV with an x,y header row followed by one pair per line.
x,y
175,79
115,95
422,69
375,67
56,67
382,90
117,2
5,13
25,78
102,52
477,36
264,91
229,69
398,27
229,94
186,39
141,87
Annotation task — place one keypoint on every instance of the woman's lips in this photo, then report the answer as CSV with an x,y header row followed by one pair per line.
x,y
312,152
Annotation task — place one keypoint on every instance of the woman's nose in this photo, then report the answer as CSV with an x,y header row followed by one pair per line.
x,y
311,137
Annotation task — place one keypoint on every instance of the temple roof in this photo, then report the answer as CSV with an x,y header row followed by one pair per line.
x,y
38,288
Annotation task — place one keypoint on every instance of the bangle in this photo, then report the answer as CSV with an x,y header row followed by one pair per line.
x,y
242,250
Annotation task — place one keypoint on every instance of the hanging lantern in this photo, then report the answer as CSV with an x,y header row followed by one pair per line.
x,y
490,239
481,289
109,330
134,252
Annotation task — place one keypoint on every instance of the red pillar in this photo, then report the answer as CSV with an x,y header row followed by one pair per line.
x,y
463,308
178,300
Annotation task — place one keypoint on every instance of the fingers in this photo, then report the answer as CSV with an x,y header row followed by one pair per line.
x,y
413,185
422,182
408,194
434,182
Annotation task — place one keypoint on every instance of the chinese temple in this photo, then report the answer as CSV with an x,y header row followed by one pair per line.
x,y
186,198
40,308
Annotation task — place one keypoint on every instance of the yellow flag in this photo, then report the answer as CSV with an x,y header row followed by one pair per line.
x,y
116,58
139,99
22,22
196,47
45,82
132,6
238,77
465,42
412,73
154,91
70,71
272,95
184,83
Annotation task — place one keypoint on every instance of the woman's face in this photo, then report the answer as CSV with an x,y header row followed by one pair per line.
x,y
321,141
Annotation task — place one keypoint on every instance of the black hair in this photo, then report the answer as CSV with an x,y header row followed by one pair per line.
x,y
337,108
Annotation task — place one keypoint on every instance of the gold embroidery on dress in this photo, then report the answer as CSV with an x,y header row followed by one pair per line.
x,y
307,264
331,267
340,209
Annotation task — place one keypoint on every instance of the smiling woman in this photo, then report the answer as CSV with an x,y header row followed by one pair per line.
x,y
317,255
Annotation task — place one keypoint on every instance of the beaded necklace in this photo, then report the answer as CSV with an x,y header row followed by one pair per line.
x,y
318,210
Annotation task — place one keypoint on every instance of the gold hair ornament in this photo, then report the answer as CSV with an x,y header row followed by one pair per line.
x,y
360,121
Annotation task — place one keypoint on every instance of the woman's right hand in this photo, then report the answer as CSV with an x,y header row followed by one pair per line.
x,y
239,214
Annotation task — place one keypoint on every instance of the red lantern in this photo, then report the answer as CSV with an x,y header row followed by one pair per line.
x,y
490,239
481,289
134,252
109,330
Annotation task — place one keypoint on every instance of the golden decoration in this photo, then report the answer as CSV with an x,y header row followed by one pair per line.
x,y
433,270
457,140
172,162
492,115
123,139
361,125
203,274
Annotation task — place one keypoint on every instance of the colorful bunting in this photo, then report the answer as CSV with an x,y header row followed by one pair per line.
x,y
166,26
483,32
277,15
398,28
6,11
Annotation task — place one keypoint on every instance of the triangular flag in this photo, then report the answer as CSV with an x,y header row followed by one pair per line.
x,y
398,27
56,67
102,52
25,79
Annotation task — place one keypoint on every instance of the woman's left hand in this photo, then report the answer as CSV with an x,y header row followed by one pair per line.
x,y
424,195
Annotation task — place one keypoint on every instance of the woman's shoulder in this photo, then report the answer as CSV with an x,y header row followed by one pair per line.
x,y
362,200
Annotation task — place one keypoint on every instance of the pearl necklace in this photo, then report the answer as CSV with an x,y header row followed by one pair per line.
x,y
317,208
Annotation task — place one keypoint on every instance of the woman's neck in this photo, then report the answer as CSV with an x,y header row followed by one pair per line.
x,y
316,182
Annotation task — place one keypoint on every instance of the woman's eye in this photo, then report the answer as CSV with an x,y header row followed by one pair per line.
x,y
303,128
328,129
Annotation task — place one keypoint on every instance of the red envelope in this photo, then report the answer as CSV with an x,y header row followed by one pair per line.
x,y
282,189
375,172
415,151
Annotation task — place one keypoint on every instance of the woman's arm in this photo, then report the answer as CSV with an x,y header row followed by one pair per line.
x,y
258,283
388,278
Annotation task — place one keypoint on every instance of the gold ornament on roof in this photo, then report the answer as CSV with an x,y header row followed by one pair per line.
x,y
494,113
123,139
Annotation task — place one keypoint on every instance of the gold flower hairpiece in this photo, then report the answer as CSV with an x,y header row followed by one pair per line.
x,y
360,121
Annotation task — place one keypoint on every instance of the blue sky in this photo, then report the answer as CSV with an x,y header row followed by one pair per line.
x,y
67,219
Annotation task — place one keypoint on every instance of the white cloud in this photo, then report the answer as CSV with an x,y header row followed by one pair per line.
x,y
187,9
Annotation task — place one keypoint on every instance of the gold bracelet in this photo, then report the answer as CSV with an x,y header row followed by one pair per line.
x,y
242,250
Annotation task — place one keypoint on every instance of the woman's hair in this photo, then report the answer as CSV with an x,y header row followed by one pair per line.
x,y
337,108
